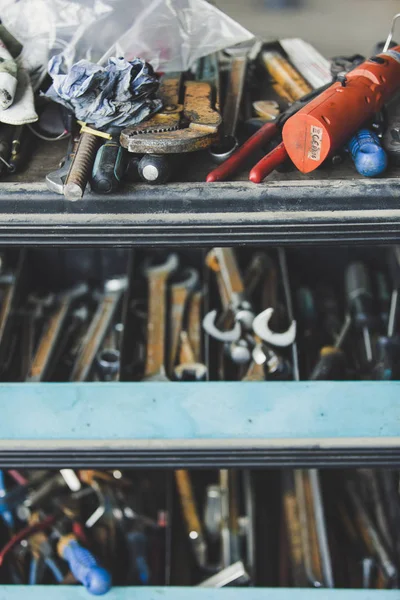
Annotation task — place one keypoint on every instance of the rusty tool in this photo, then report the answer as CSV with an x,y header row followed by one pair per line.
x,y
183,125
100,324
191,516
157,276
228,142
187,127
81,166
52,332
370,534
188,368
194,330
180,294
109,357
257,141
55,180
288,82
223,262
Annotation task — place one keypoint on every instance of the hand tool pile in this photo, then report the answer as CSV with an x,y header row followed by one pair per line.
x,y
202,528
94,528
239,104
222,314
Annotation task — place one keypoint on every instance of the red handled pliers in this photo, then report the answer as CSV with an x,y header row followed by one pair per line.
x,y
267,133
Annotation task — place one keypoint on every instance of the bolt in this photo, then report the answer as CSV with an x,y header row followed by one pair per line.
x,y
81,167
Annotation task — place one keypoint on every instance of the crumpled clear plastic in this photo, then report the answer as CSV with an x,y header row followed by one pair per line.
x,y
169,34
119,94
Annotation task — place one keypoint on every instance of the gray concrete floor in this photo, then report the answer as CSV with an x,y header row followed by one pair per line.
x,y
333,26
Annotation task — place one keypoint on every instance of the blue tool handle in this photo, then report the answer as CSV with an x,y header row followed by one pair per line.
x,y
137,549
368,155
84,566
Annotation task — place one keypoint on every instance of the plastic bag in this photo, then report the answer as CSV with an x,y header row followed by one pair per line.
x,y
49,27
173,34
170,34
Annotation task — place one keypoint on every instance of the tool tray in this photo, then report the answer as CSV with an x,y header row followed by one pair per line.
x,y
213,424
332,205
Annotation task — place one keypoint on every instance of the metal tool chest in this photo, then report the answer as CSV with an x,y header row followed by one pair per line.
x,y
180,424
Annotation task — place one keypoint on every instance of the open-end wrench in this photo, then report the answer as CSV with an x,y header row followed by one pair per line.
x,y
223,262
236,307
194,330
180,293
262,330
52,332
157,276
188,369
109,357
191,515
113,291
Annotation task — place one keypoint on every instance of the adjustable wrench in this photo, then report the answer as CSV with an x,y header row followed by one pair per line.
x,y
51,334
113,292
55,180
180,293
157,276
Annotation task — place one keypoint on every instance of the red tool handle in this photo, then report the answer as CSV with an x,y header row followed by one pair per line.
x,y
234,162
268,164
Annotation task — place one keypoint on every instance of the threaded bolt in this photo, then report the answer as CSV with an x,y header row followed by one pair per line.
x,y
81,167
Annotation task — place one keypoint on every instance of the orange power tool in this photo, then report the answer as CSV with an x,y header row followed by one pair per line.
x,y
328,121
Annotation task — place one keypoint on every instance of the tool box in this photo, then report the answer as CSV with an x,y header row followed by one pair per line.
x,y
252,426
97,418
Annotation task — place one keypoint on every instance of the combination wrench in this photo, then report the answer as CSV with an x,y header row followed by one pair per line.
x,y
100,324
52,332
157,277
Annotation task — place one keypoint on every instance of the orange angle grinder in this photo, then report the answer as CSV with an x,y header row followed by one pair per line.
x,y
327,122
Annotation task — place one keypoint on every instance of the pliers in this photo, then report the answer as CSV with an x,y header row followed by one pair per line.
x,y
267,133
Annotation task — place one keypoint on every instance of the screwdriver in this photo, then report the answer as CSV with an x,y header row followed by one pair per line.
x,y
388,346
83,565
109,167
332,361
360,301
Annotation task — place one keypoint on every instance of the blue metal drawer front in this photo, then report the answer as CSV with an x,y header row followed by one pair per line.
x,y
182,593
186,424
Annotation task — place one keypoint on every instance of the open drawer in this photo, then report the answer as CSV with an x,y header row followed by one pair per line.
x,y
80,420
330,532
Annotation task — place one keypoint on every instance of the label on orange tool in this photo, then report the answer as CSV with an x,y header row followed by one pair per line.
x,y
316,142
392,54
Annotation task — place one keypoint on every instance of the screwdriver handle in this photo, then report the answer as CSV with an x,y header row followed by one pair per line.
x,y
268,164
359,293
108,168
234,162
331,365
84,566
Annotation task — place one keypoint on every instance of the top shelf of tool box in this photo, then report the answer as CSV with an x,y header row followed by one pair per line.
x,y
333,205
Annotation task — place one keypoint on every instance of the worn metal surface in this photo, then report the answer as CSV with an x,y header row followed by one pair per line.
x,y
178,128
200,424
351,211
65,592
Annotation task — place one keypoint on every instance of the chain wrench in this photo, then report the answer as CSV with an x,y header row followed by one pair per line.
x,y
113,291
52,332
157,277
